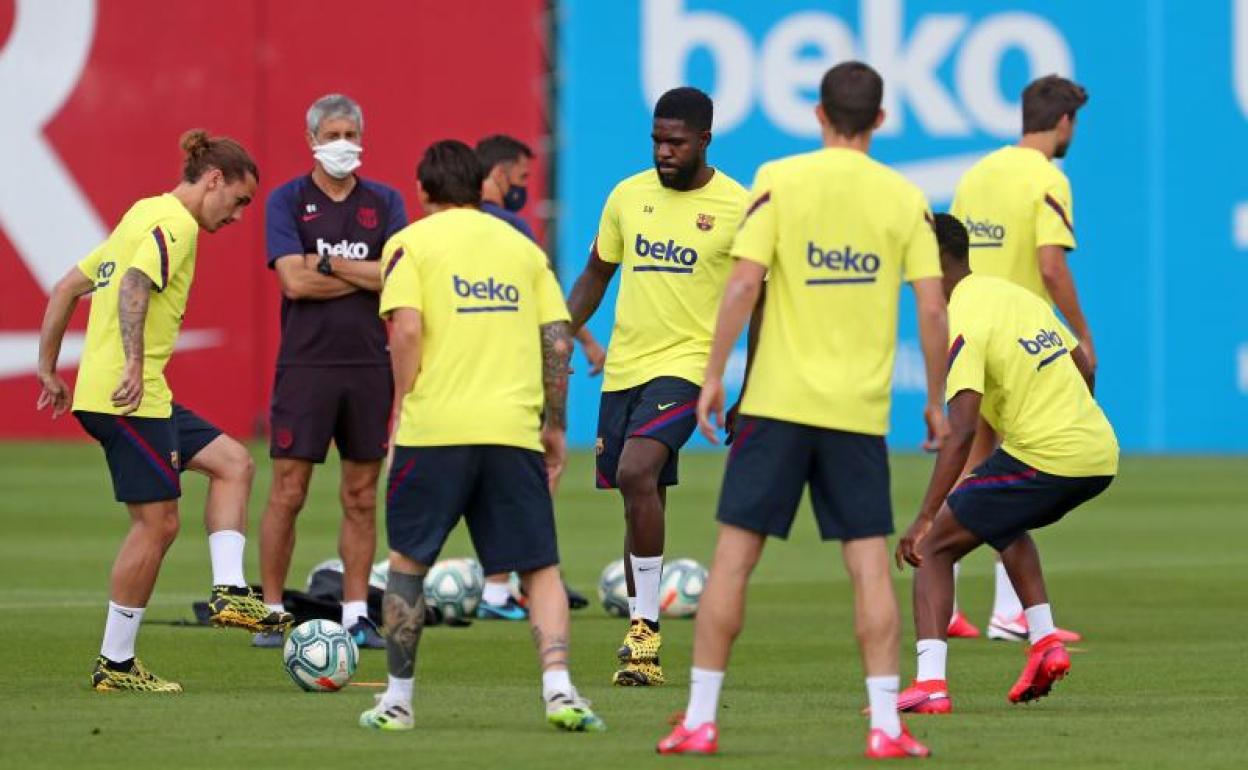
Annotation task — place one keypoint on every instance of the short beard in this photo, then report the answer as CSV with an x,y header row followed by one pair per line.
x,y
681,180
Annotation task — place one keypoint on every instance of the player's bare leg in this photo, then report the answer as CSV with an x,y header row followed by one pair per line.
x,y
287,493
984,444
641,461
230,470
403,609
357,545
1047,660
549,620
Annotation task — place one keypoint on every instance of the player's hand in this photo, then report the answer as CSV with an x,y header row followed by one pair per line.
x,y
596,355
730,422
711,404
555,443
53,392
129,394
908,547
937,428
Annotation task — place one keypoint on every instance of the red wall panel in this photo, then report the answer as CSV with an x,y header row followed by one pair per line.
x,y
422,71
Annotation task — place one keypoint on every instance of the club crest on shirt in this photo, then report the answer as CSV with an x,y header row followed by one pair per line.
x,y
705,222
173,459
367,217
599,446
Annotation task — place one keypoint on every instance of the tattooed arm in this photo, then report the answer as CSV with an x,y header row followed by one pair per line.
x,y
136,290
556,349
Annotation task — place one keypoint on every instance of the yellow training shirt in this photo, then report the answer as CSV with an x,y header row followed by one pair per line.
x,y
483,290
1009,346
156,236
1012,202
672,247
839,232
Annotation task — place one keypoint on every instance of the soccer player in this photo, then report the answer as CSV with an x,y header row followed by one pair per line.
x,y
140,279
505,162
1016,205
463,288
670,227
324,233
1013,362
837,233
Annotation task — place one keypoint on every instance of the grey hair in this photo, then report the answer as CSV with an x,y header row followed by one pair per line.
x,y
334,106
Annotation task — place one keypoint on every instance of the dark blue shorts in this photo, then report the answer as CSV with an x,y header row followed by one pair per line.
x,y
313,405
1004,498
146,454
663,409
499,490
772,462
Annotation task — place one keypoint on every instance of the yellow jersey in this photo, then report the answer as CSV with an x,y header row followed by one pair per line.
x,y
1013,201
838,232
158,237
1008,345
483,291
672,247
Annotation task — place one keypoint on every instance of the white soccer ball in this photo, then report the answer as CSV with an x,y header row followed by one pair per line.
x,y
454,586
379,574
681,588
320,656
334,565
613,589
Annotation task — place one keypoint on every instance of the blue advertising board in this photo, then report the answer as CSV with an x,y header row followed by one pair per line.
x,y
1158,166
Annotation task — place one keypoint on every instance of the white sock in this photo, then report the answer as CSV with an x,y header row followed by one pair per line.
x,y
882,695
226,549
496,593
632,606
1005,603
704,688
932,655
957,566
398,692
276,607
556,681
352,612
1039,622
647,574
120,629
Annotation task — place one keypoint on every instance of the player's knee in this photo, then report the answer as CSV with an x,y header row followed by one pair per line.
x,y
163,529
636,479
287,496
359,500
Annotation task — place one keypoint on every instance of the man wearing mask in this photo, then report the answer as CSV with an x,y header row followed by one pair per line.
x,y
324,235
505,163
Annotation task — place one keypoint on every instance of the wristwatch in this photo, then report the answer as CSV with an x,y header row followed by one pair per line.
x,y
324,266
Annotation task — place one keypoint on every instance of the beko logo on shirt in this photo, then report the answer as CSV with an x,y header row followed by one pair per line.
x,y
675,257
505,295
850,265
344,248
1042,343
994,232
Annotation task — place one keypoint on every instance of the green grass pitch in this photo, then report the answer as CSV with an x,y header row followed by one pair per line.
x,y
1153,573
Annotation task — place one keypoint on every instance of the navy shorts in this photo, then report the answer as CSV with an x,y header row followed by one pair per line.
x,y
314,404
500,490
664,409
1004,498
772,462
146,454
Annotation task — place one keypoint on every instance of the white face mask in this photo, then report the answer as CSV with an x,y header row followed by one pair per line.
x,y
339,157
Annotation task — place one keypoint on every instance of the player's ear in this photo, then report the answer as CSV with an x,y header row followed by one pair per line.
x,y
706,139
821,116
879,120
422,195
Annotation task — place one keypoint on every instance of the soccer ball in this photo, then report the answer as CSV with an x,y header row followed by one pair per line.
x,y
334,565
613,589
380,573
320,656
681,588
454,586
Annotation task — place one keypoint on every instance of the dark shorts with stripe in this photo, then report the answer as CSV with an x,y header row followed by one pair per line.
x,y
773,461
663,409
1005,498
500,491
146,455
313,405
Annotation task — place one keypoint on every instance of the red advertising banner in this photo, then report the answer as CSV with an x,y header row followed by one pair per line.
x,y
98,93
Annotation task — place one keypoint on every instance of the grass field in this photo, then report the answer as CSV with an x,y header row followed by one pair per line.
x,y
1154,574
